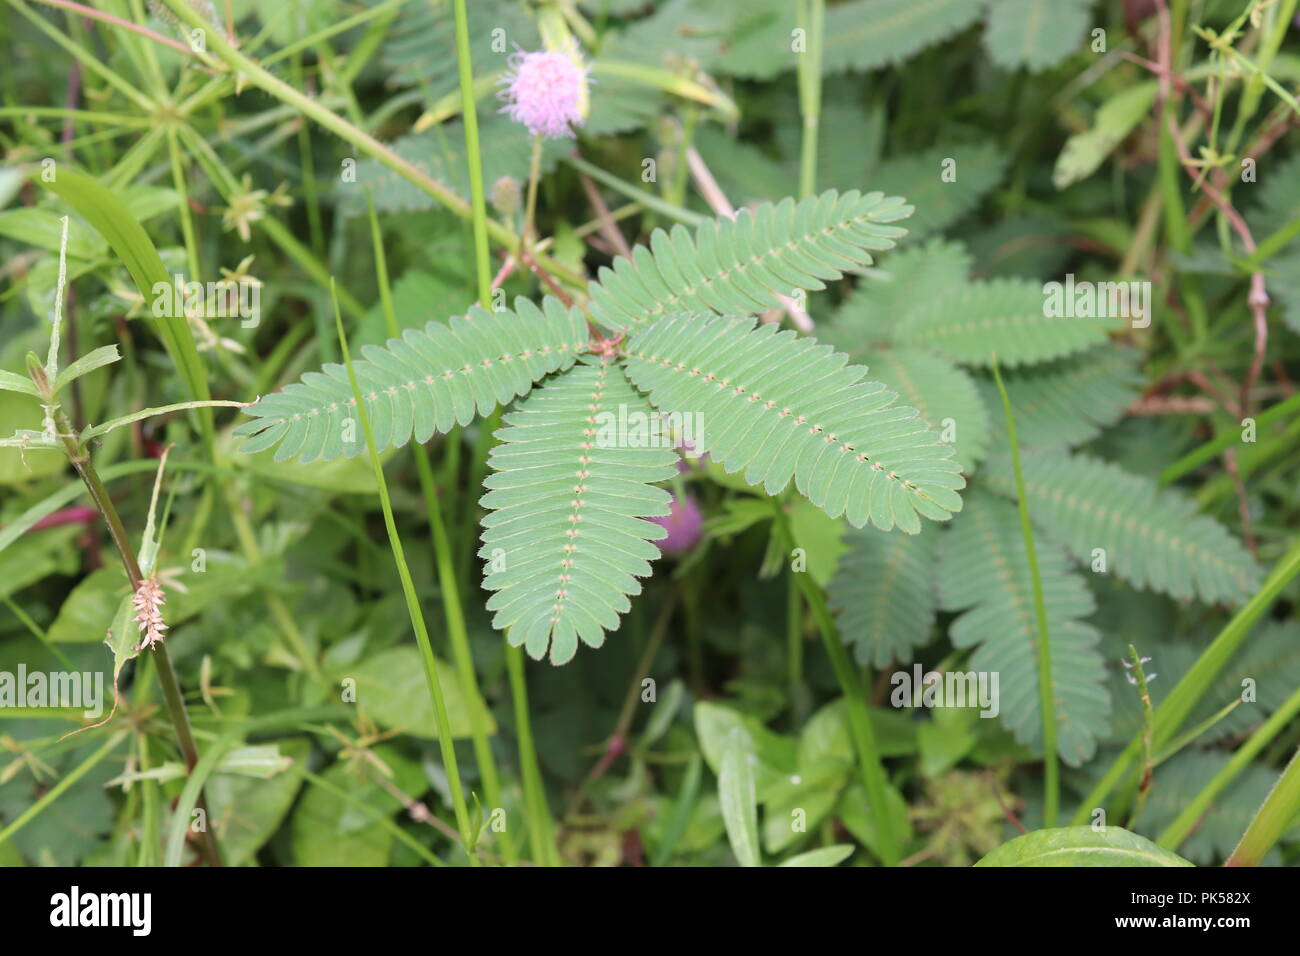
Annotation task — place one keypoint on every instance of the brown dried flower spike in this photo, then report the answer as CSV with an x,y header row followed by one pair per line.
x,y
148,600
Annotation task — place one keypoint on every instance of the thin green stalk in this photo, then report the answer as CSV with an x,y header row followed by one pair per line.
x,y
351,798
540,827
472,158
541,837
1148,721
874,779
314,227
1186,821
61,787
1046,697
1173,710
647,199
534,174
151,815
27,622
1272,819
445,742
80,460
357,137
1208,451
191,797
812,15
452,611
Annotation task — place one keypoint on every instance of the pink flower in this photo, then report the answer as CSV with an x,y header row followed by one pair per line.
x,y
684,523
545,91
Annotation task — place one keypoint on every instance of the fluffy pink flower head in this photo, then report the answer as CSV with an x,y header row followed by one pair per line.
x,y
545,91
684,523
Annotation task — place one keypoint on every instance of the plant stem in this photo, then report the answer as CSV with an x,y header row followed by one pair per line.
x,y
534,173
812,16
452,611
80,459
1046,698
59,788
874,779
540,836
1272,819
472,157
445,742
1173,710
1186,821
357,137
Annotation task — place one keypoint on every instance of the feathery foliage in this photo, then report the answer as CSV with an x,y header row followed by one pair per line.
x,y
1070,401
1035,33
945,395
884,594
422,383
740,266
1152,537
867,34
564,539
1005,316
984,573
777,406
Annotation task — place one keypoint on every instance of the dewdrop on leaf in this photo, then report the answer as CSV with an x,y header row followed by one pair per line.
x,y
546,91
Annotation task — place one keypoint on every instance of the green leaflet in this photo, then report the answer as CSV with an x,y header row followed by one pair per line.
x,y
427,381
1070,401
1152,537
885,297
983,572
740,266
780,406
1081,846
884,594
945,395
941,199
1113,121
868,34
1036,33
1006,316
564,539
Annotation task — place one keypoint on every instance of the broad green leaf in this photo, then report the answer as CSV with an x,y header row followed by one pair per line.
x,y
390,687
1114,120
105,355
127,238
824,856
737,795
1081,846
